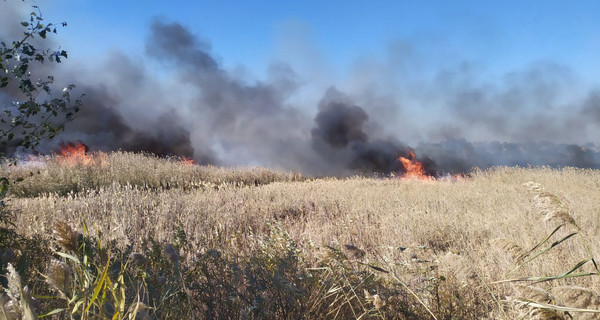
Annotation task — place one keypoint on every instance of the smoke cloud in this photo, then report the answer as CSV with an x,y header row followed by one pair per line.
x,y
340,138
177,98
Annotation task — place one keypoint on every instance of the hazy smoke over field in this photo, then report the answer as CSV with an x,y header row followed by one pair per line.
x,y
339,136
193,106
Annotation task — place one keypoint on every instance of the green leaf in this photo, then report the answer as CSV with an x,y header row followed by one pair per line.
x,y
68,256
99,286
76,306
76,297
554,244
25,24
566,275
555,307
53,312
40,296
121,282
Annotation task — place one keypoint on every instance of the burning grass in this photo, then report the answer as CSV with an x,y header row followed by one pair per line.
x,y
314,249
414,169
75,171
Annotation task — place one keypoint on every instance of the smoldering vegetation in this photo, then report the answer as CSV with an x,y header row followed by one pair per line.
x,y
177,98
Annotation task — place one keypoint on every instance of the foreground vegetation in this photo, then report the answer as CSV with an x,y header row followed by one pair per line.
x,y
134,236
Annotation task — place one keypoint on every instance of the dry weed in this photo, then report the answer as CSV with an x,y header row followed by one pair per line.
x,y
448,226
578,297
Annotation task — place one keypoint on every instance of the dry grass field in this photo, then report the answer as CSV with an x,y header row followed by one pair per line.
x,y
187,241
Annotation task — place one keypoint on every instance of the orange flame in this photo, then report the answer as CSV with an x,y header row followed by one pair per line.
x,y
187,161
76,153
414,169
458,177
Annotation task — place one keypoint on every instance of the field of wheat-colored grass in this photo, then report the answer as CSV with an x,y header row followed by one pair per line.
x,y
443,246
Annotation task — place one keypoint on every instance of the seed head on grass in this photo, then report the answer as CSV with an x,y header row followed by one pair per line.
x,y
10,310
459,266
514,250
65,235
542,314
523,294
60,277
14,282
578,297
21,301
531,293
549,205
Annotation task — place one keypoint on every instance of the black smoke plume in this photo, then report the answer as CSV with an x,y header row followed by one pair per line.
x,y
177,98
340,137
104,128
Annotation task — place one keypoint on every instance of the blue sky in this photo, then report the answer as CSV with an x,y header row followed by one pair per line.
x,y
422,72
502,35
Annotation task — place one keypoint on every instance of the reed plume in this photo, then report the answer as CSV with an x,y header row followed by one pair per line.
x,y
549,205
65,235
